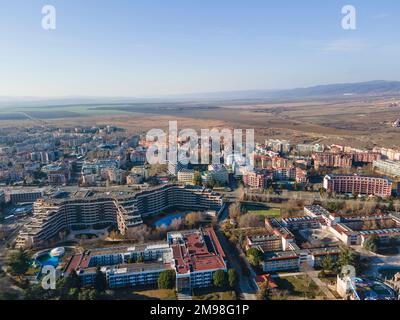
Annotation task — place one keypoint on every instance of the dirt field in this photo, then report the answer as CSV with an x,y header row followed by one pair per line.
x,y
359,123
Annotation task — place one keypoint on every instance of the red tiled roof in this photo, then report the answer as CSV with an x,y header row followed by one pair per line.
x,y
77,261
194,254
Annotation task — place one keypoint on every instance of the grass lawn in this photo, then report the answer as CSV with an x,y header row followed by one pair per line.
x,y
210,294
299,286
139,294
273,212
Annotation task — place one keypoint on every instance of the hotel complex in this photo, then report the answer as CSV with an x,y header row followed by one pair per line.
x,y
85,209
194,255
120,266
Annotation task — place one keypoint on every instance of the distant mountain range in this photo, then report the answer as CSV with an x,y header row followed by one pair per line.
x,y
341,90
377,88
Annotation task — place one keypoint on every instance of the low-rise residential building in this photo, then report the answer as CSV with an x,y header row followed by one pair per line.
x,y
194,255
217,173
355,230
332,160
257,180
134,179
138,156
186,176
343,159
2,197
57,173
300,223
301,175
316,211
265,242
389,167
197,255
391,154
316,256
121,266
284,173
24,196
291,260
281,261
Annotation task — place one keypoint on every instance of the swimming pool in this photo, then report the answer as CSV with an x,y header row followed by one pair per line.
x,y
166,221
47,260
370,289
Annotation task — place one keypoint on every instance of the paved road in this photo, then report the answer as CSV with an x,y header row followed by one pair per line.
x,y
321,285
247,285
377,261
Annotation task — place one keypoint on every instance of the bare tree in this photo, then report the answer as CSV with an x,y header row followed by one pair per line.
x,y
235,211
251,221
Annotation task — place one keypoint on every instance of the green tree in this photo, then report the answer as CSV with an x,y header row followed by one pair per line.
x,y
100,281
220,279
38,175
68,287
166,279
232,278
36,292
235,210
327,263
371,243
88,294
73,294
255,256
197,179
193,219
263,291
20,263
348,257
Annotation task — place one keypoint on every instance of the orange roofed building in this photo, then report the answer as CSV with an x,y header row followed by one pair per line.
x,y
197,254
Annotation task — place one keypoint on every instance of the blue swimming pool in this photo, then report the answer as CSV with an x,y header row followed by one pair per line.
x,y
166,221
47,260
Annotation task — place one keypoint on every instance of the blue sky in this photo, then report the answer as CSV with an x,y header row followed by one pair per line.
x,y
161,47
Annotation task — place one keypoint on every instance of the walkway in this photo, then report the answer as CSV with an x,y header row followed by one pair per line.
x,y
321,285
184,295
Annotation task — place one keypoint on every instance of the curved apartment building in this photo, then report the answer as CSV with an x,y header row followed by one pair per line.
x,y
125,210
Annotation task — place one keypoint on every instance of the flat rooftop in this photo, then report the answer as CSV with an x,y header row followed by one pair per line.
x,y
197,250
280,255
133,268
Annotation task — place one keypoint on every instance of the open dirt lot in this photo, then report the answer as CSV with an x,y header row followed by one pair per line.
x,y
359,123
